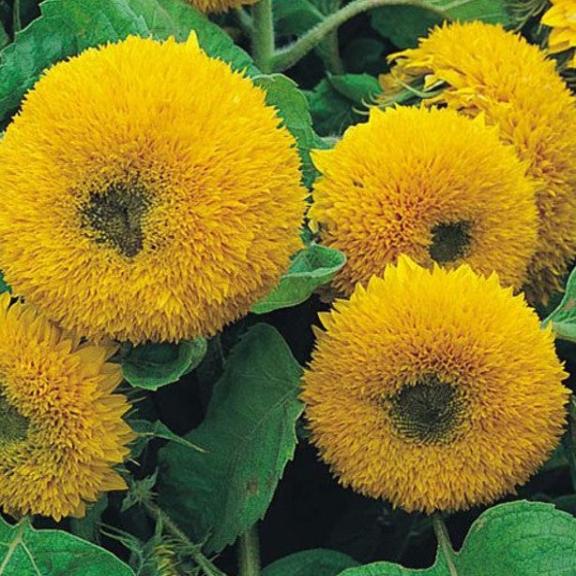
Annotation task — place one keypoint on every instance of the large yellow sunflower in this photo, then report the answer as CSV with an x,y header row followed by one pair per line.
x,y
482,69
561,17
436,390
432,184
219,5
61,427
147,192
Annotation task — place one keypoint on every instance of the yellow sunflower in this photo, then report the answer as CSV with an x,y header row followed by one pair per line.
x,y
61,427
432,184
147,193
436,390
561,17
482,69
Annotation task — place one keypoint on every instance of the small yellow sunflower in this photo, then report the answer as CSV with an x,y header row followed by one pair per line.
x,y
147,193
61,427
561,17
436,390
219,5
431,184
482,69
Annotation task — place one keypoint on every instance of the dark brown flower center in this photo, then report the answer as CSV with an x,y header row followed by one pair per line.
x,y
450,241
115,217
13,426
428,411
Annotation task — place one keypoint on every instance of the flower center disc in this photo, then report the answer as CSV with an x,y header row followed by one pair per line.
x,y
116,217
428,411
450,241
13,426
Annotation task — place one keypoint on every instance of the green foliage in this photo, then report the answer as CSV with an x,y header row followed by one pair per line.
x,y
249,435
149,430
151,366
88,527
403,25
310,268
25,551
318,562
283,93
516,539
563,317
342,100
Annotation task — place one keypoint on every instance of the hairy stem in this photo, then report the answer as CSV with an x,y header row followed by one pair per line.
x,y
263,35
290,55
444,543
249,553
193,550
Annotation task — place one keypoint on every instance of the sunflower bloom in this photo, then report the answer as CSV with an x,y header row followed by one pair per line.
x,y
157,203
443,189
561,17
436,390
61,430
219,5
482,69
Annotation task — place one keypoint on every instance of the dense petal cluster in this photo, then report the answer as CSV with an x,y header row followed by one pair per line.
x,y
431,184
61,426
159,202
436,390
482,69
219,5
561,17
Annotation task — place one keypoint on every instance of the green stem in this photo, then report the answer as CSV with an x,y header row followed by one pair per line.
x,y
290,55
444,543
244,21
191,549
263,35
16,17
249,553
332,54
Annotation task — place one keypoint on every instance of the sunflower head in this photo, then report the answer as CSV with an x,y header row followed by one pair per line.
x,y
434,389
219,5
159,203
561,18
442,189
480,69
61,426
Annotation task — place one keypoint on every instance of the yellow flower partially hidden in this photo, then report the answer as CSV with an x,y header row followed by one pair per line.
x,y
431,184
219,5
561,17
61,427
435,390
148,193
485,70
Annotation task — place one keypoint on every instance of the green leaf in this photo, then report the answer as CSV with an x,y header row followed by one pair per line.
x,y
249,435
66,27
310,268
25,551
149,430
515,539
318,562
151,366
88,527
563,318
295,17
403,25
4,287
292,106
340,101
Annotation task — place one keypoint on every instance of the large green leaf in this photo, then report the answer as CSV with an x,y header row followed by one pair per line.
x,y
292,106
317,562
66,27
513,539
563,318
249,435
151,366
25,551
310,268
403,25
